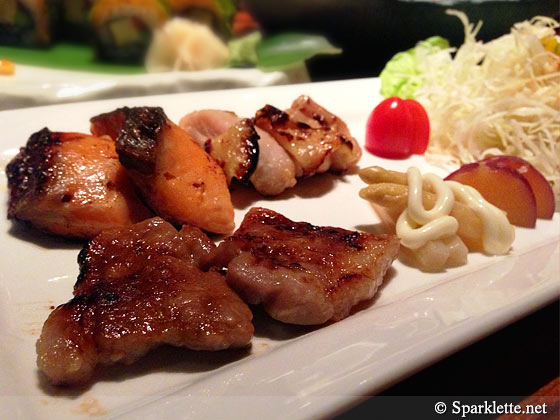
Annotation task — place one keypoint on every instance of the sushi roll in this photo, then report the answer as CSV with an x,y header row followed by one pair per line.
x,y
74,19
123,29
27,22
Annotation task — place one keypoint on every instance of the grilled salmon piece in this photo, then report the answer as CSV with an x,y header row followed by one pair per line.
x,y
245,152
71,184
109,123
174,175
141,287
316,140
300,273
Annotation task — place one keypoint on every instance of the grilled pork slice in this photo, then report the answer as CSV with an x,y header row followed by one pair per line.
x,y
175,176
140,287
316,140
231,141
303,274
71,184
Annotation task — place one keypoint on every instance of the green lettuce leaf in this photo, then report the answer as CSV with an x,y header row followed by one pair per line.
x,y
400,75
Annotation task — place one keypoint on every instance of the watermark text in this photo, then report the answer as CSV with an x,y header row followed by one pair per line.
x,y
489,407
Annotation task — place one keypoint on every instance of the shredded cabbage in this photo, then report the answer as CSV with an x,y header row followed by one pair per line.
x,y
499,97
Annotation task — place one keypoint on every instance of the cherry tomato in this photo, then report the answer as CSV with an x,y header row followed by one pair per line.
x,y
397,128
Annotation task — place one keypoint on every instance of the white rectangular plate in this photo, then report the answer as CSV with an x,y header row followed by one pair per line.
x,y
290,372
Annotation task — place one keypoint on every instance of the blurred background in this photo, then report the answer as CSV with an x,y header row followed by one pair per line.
x,y
239,43
370,32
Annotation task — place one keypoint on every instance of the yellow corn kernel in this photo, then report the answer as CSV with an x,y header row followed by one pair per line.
x,y
551,44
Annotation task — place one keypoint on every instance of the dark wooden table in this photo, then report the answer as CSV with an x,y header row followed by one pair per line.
x,y
517,364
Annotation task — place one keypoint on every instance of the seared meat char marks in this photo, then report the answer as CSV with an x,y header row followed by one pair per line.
x,y
137,140
71,184
308,148
110,123
254,157
348,152
236,150
135,131
148,240
174,175
300,142
30,170
303,274
139,288
230,140
143,286
315,139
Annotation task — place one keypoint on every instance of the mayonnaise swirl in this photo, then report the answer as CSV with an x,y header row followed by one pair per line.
x,y
444,197
416,225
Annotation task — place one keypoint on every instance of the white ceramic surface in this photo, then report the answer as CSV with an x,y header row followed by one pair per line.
x,y
290,372
34,86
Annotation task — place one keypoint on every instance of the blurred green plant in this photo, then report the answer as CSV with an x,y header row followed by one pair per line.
x,y
226,8
278,52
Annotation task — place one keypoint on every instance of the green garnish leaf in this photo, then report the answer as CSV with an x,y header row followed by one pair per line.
x,y
243,51
400,75
291,50
226,8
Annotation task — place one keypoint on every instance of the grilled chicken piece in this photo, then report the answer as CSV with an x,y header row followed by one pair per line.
x,y
274,171
140,287
175,176
71,184
315,139
303,274
231,141
207,124
306,110
236,151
